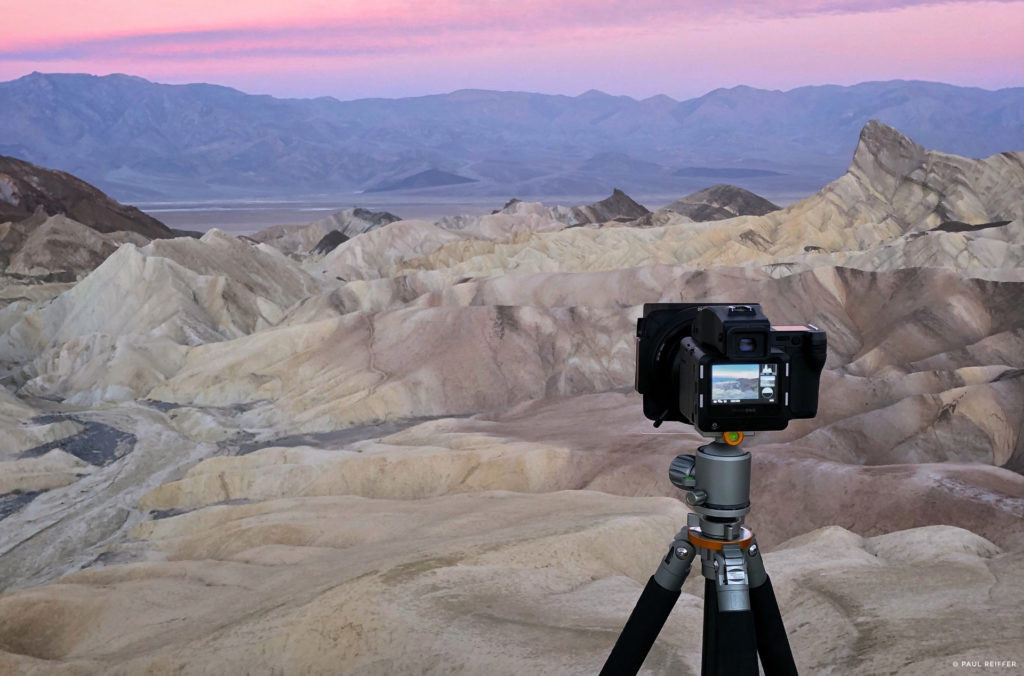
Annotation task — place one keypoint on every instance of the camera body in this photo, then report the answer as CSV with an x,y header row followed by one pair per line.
x,y
723,367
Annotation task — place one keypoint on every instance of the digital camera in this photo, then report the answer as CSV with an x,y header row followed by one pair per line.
x,y
723,367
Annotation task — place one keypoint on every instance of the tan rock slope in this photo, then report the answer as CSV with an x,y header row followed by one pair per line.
x,y
55,227
302,239
421,453
26,190
57,248
123,328
500,582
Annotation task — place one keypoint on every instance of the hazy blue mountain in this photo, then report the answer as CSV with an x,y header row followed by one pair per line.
x,y
431,178
137,139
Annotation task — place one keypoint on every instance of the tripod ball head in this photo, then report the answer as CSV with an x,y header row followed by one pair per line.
x,y
716,480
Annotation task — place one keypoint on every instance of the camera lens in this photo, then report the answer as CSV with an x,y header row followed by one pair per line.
x,y
746,344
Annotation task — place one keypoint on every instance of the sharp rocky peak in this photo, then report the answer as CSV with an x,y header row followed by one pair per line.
x,y
881,150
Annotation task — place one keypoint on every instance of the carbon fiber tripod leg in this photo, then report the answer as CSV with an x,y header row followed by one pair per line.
x,y
772,642
651,611
729,647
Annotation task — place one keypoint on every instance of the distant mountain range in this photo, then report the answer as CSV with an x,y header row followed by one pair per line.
x,y
141,140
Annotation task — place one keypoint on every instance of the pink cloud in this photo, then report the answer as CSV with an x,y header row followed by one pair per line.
x,y
121,18
641,47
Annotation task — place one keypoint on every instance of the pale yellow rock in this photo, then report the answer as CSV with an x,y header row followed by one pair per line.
x,y
20,433
52,470
188,290
358,368
302,238
292,239
371,254
201,426
378,470
13,290
61,244
99,368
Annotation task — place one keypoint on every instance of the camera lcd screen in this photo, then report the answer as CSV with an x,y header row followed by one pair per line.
x,y
744,383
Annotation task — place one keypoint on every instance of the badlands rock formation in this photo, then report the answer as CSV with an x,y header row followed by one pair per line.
x,y
421,453
59,246
55,227
305,239
894,194
720,202
26,189
518,215
617,207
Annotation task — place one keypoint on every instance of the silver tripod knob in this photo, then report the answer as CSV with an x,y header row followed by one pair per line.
x,y
695,498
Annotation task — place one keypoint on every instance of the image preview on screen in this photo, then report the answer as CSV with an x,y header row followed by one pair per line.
x,y
743,383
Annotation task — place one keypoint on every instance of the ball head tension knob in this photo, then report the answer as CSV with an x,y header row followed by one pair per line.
x,y
680,472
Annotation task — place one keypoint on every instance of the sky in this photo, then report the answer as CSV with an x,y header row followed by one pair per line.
x,y
639,48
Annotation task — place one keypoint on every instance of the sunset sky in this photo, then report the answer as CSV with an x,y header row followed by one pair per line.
x,y
635,47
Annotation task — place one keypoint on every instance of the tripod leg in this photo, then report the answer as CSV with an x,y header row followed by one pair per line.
x,y
651,611
729,646
709,643
772,643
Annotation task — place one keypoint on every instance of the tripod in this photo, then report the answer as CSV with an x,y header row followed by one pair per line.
x,y
741,616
